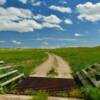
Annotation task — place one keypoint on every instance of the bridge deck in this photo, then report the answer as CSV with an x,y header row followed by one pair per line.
x,y
50,85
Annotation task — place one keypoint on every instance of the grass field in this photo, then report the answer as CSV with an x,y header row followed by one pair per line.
x,y
27,59
24,59
78,58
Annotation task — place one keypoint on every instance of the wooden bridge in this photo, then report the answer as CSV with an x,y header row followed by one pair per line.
x,y
52,86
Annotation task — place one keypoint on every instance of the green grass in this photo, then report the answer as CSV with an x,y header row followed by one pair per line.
x,y
28,59
25,60
91,93
52,72
40,96
79,58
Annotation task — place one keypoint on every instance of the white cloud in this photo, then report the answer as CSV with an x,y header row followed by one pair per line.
x,y
23,20
16,42
2,2
49,21
16,19
38,3
77,34
13,13
68,21
33,2
23,1
2,41
89,11
55,39
61,9
53,19
21,26
49,25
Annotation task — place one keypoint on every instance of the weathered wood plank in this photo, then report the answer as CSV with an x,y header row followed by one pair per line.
x,y
11,80
9,73
92,80
2,62
82,80
5,67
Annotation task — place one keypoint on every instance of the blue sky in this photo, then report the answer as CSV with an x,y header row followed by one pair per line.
x,y
49,23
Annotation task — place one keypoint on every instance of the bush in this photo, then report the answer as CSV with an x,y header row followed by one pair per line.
x,y
40,96
91,93
75,93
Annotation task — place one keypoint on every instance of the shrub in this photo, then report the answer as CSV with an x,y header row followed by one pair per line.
x,y
75,93
91,93
40,96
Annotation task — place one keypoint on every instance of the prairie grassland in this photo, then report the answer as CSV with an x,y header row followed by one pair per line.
x,y
28,59
24,59
79,58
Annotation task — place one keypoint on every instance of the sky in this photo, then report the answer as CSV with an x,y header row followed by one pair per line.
x,y
49,23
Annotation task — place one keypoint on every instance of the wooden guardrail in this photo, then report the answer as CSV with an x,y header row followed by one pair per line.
x,y
5,67
8,74
11,80
85,77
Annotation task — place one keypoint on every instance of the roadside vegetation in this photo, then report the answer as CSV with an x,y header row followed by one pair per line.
x,y
40,96
25,60
79,58
91,93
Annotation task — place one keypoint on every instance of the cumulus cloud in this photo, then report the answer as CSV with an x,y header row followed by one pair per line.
x,y
77,34
23,1
21,26
2,41
16,42
13,13
61,9
48,25
33,2
36,3
2,2
89,11
23,20
68,21
53,19
16,19
49,21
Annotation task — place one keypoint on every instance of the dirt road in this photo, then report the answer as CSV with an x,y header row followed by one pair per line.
x,y
23,97
55,62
